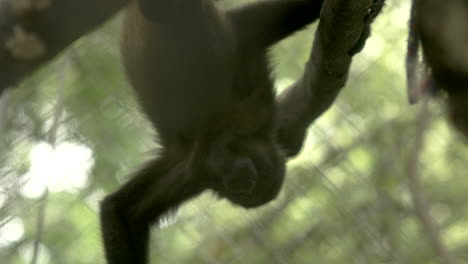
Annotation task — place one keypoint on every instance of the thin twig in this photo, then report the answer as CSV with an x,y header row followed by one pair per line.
x,y
40,226
420,202
52,139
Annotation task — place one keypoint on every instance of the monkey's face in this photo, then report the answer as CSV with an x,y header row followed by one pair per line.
x,y
248,171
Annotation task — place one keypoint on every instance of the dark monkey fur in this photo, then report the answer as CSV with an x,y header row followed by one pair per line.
x,y
203,79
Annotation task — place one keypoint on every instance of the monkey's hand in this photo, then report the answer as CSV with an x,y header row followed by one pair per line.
x,y
374,11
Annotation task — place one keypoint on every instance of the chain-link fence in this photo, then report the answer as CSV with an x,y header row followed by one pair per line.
x,y
378,181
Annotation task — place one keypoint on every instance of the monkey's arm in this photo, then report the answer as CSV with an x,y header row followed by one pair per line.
x,y
261,24
127,214
327,69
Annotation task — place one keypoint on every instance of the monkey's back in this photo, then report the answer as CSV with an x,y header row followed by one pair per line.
x,y
180,82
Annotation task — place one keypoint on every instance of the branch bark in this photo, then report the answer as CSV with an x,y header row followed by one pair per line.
x,y
33,32
341,26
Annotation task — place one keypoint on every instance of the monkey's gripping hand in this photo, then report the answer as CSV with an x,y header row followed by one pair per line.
x,y
374,11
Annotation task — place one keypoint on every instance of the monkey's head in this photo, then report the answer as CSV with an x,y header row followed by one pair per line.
x,y
241,158
247,171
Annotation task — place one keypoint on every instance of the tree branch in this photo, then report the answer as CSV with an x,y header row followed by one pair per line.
x,y
341,27
34,31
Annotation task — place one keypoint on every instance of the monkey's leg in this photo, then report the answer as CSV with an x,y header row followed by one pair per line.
x,y
263,23
127,214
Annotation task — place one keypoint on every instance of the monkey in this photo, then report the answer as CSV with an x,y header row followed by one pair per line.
x,y
441,76
374,10
202,76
